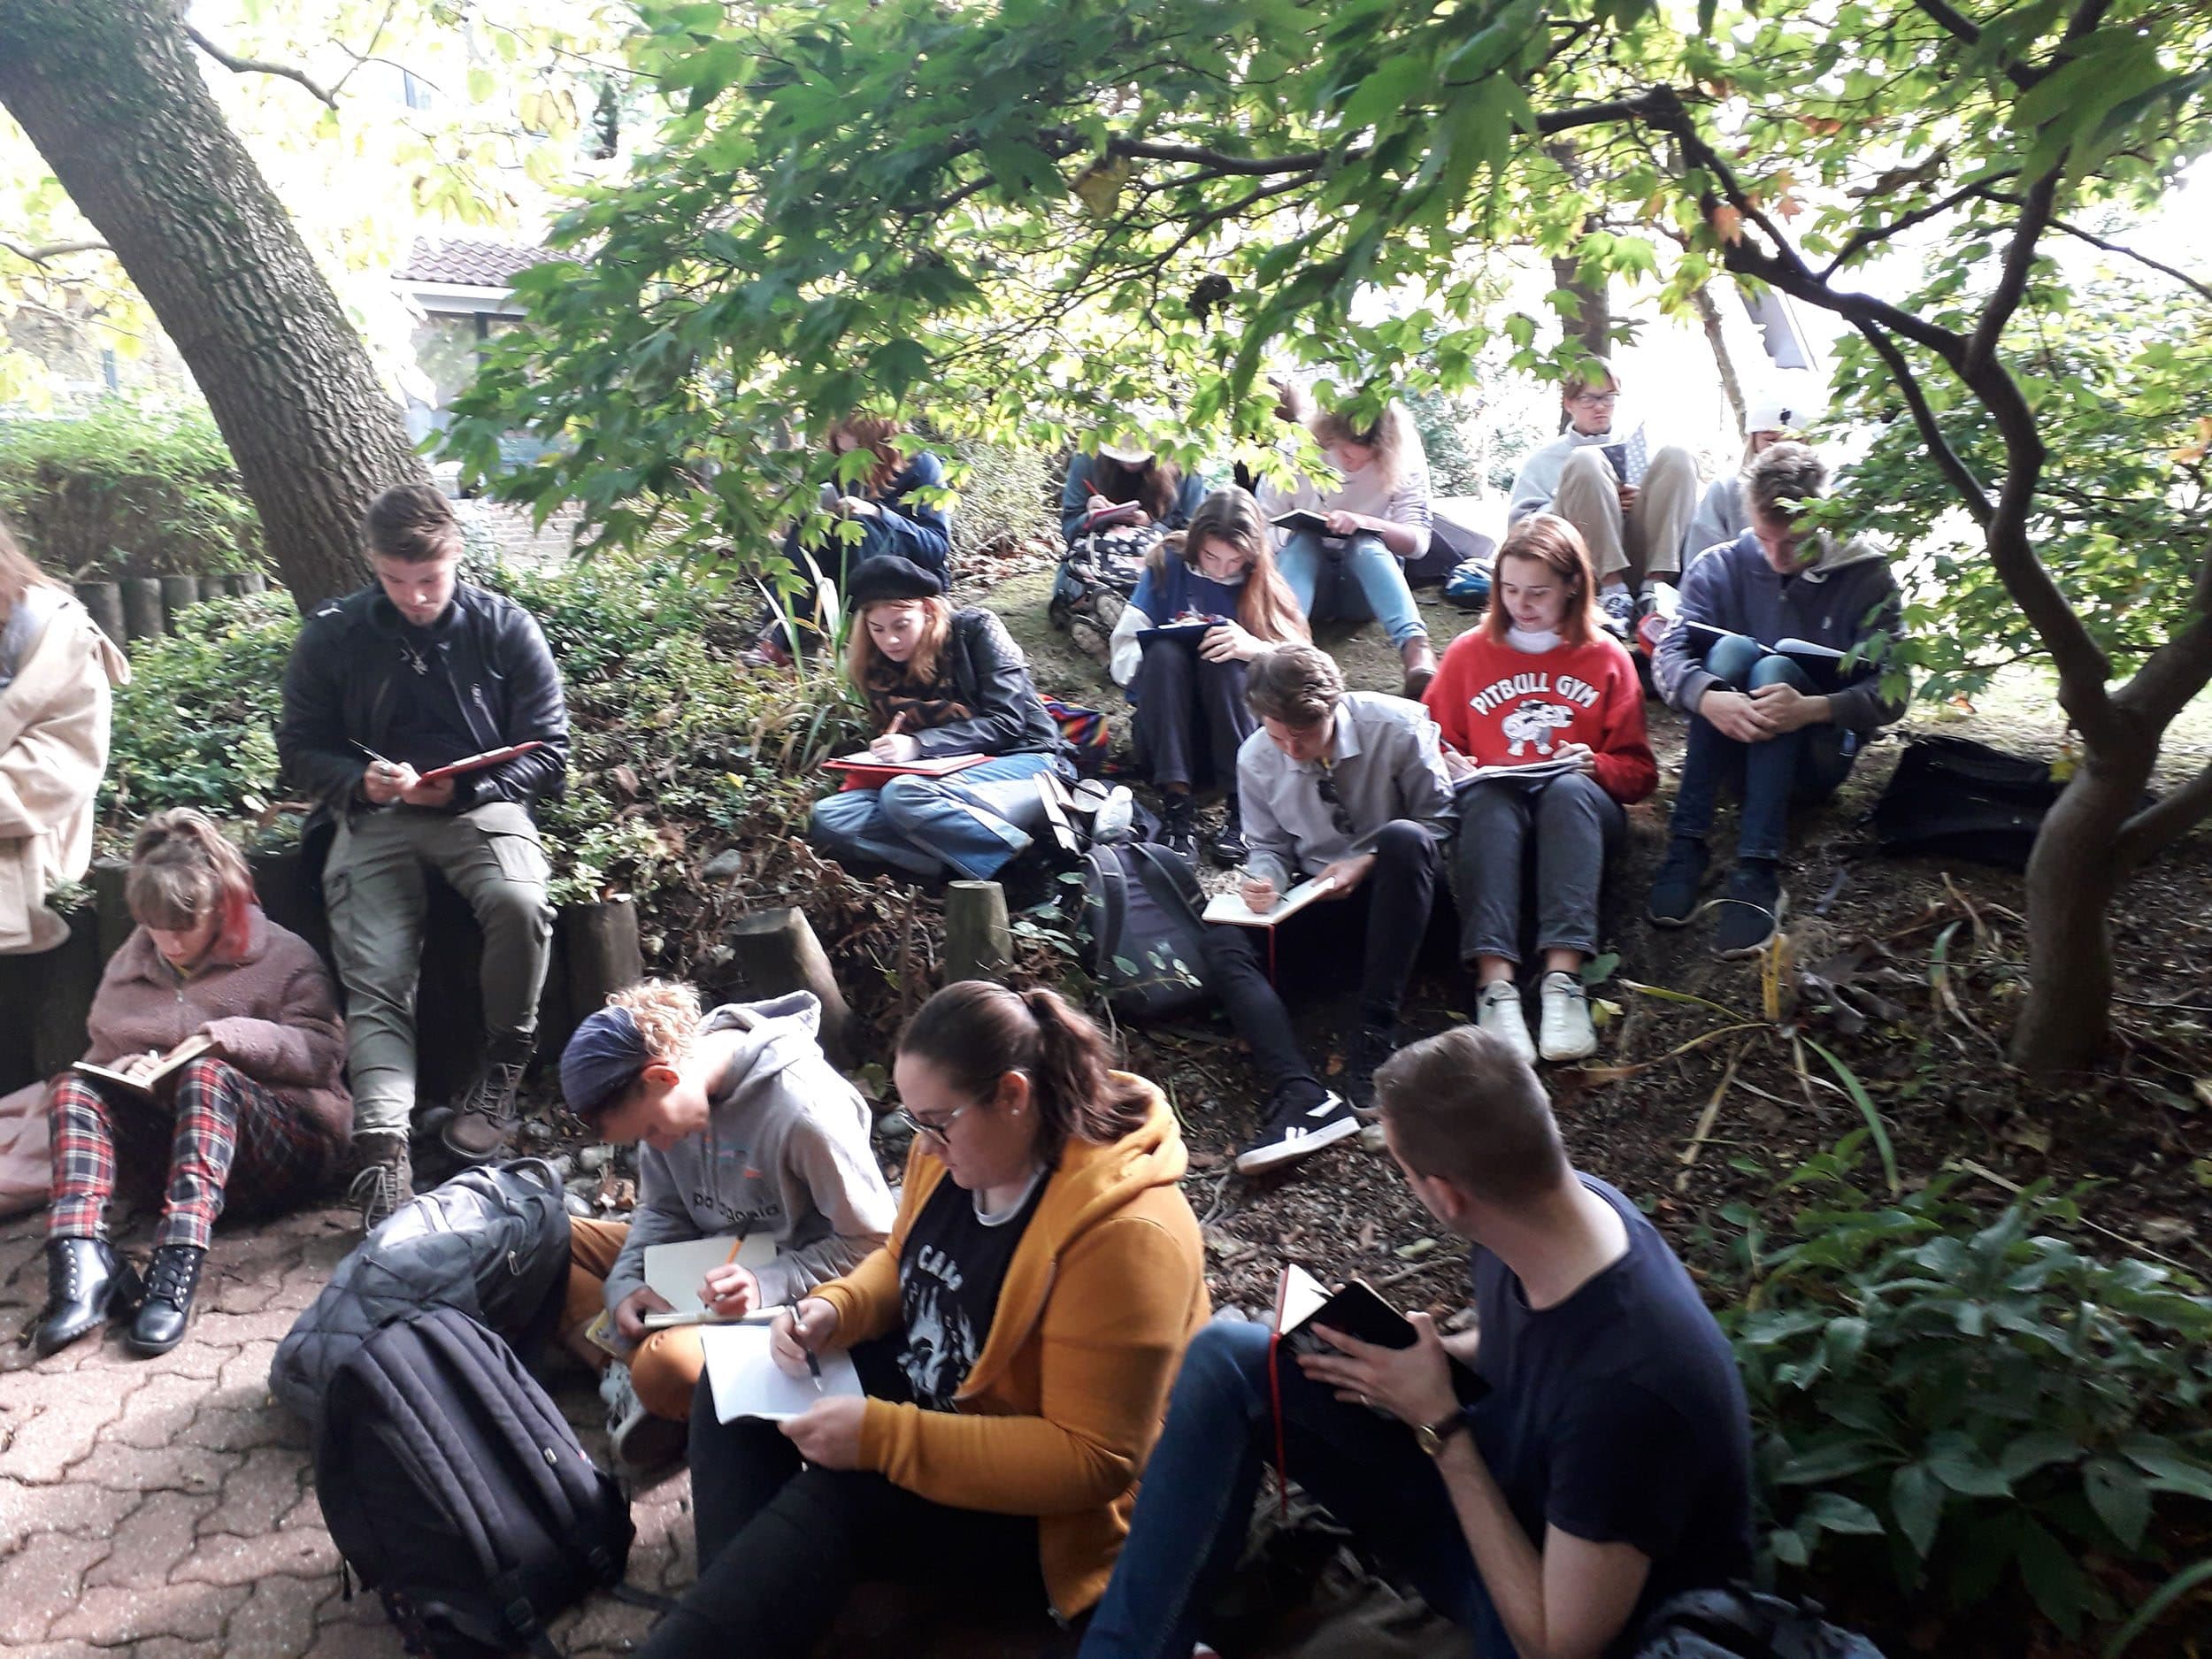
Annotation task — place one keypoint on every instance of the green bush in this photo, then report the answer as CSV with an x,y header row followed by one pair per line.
x,y
1968,1400
127,490
1014,492
1442,421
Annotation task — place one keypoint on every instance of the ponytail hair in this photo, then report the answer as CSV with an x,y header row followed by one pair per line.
x,y
183,870
975,1032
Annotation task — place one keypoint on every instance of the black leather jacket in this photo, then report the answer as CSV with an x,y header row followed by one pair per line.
x,y
1010,718
338,694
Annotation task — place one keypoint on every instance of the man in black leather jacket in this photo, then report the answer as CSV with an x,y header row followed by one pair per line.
x,y
407,676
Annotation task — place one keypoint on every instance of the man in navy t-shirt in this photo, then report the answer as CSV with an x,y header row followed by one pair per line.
x,y
1603,1464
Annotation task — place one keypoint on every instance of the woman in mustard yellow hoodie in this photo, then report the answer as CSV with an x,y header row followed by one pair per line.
x,y
1017,1335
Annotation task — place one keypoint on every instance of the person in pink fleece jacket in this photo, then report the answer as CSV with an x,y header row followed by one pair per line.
x,y
256,1121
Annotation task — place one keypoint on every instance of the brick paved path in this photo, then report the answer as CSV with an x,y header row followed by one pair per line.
x,y
162,1506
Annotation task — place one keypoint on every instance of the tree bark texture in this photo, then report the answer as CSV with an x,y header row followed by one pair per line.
x,y
111,94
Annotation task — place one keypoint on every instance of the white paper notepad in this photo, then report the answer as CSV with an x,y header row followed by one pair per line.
x,y
748,1382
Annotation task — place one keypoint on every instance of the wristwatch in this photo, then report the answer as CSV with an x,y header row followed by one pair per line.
x,y
1433,1437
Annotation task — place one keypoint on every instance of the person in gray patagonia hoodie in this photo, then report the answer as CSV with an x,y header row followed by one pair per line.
x,y
1778,659
745,1129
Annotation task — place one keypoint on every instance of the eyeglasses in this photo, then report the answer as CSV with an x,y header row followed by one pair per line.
x,y
1596,400
940,1132
1339,815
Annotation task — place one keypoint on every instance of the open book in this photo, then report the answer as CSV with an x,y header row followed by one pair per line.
x,y
748,1382
1302,521
1230,908
860,763
677,1272
477,762
1823,664
1357,1310
1531,770
149,1083
1104,514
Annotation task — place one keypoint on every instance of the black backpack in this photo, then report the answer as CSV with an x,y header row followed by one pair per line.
x,y
454,1488
1955,798
491,1243
1739,1623
1097,574
1141,904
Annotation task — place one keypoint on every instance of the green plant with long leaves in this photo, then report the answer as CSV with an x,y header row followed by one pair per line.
x,y
1969,1402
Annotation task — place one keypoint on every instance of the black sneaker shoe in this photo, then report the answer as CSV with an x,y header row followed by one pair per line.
x,y
384,1179
167,1308
1372,1045
1295,1129
484,1120
1752,908
1226,846
1674,889
1179,826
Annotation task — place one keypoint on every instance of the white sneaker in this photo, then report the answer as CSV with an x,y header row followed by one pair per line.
x,y
640,1442
1499,1012
1565,1032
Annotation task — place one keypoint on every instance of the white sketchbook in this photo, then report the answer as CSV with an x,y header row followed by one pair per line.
x,y
676,1271
1230,908
748,1382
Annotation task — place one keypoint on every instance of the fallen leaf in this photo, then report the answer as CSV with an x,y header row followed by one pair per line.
x,y
1415,1251
1366,1237
625,778
2202,1090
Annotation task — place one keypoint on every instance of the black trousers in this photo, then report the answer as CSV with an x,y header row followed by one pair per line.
x,y
1191,717
1383,920
782,1544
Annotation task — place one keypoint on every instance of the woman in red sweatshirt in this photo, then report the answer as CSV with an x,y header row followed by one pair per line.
x,y
1539,686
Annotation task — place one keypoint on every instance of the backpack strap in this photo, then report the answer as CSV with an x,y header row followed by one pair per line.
x,y
1172,871
1112,901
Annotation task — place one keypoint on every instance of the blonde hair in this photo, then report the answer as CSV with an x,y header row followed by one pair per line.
x,y
183,870
860,649
1558,546
666,1015
1390,435
1266,608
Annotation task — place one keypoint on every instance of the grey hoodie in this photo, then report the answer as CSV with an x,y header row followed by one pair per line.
x,y
1839,599
784,1152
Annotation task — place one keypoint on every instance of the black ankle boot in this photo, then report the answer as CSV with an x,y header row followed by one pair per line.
x,y
81,1276
167,1309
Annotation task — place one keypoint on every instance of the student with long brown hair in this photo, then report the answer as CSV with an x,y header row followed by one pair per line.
x,y
897,504
940,681
57,672
1189,691
1016,1337
1127,471
256,1122
1540,681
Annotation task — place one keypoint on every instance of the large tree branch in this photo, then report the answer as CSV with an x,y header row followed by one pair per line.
x,y
2012,281
1860,241
255,66
1953,467
2144,259
2167,820
41,253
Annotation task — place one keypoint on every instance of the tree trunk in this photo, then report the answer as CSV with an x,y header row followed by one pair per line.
x,y
111,94
1723,360
2072,876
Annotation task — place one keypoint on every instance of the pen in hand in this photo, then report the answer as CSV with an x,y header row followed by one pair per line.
x,y
798,1335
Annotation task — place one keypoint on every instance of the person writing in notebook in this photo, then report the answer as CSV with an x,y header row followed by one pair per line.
x,y
1603,1464
1757,718
1015,1337
413,672
1540,685
941,682
745,1131
1349,787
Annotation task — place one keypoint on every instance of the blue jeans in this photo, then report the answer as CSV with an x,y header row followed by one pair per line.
x,y
1809,763
977,821
1196,1504
1367,581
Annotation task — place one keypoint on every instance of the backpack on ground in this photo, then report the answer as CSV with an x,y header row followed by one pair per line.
x,y
1741,1624
1142,903
1959,799
1097,574
1468,586
492,1242
454,1488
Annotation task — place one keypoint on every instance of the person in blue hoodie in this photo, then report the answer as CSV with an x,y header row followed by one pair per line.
x,y
1759,716
1126,482
745,1130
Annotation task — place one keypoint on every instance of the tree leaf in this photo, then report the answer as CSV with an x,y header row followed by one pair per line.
x,y
2122,1501
1915,1498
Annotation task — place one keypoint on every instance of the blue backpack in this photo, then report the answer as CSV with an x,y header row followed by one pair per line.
x,y
1468,586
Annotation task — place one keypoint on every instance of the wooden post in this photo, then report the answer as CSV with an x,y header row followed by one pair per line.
x,y
70,973
978,943
177,592
603,952
250,582
103,601
142,607
776,952
107,879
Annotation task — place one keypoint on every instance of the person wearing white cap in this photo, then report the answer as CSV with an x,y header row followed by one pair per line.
x,y
1126,470
1723,515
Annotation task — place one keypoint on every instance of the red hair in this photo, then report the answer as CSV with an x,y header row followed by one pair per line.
x,y
1557,545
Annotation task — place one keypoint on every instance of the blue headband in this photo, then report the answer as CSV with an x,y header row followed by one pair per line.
x,y
602,1059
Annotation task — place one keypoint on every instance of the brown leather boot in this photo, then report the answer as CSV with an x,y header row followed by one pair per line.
x,y
1420,665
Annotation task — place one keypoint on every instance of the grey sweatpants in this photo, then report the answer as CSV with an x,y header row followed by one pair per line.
x,y
1568,823
375,886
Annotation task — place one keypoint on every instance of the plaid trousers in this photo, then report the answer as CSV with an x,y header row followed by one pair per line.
x,y
221,1138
